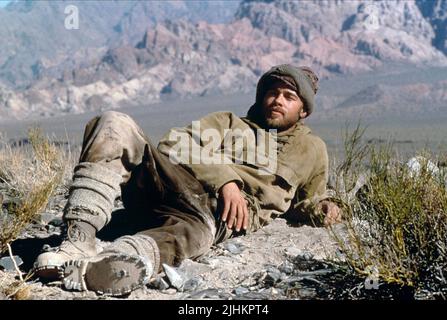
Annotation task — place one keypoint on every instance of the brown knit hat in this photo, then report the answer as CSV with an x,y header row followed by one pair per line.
x,y
302,79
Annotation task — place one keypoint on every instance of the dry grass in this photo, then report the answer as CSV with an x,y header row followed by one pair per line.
x,y
396,219
30,174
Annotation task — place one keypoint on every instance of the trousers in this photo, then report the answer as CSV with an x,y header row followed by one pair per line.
x,y
176,211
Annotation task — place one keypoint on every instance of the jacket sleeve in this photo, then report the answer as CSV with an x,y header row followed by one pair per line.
x,y
308,196
198,147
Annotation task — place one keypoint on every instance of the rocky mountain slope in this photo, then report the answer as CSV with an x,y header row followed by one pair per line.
x,y
346,35
133,59
435,12
34,37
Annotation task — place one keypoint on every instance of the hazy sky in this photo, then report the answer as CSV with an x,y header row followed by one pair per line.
x,y
4,2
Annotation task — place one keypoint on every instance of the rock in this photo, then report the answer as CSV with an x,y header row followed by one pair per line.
x,y
293,252
272,278
435,11
46,217
241,291
286,267
191,268
305,261
192,284
377,30
260,295
8,264
260,276
170,291
274,291
212,262
57,222
206,294
233,248
159,283
186,276
183,59
176,279
307,293
318,272
50,228
248,282
225,296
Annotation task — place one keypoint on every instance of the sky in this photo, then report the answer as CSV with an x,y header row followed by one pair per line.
x,y
4,3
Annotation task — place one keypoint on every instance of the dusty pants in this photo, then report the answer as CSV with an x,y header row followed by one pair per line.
x,y
181,212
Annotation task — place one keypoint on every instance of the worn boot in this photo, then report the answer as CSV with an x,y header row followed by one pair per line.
x,y
79,242
88,209
127,264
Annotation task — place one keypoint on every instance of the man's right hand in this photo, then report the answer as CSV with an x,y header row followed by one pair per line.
x,y
235,211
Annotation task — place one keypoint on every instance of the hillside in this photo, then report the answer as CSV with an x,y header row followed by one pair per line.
x,y
127,57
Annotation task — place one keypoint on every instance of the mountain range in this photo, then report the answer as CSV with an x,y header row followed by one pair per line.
x,y
133,53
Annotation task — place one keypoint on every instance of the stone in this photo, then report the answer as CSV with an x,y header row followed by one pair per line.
x,y
233,248
206,293
170,291
190,268
286,267
57,222
46,217
272,278
176,279
241,291
307,293
159,283
192,284
8,264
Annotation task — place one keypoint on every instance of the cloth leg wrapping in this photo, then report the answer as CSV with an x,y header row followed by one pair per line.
x,y
92,194
138,244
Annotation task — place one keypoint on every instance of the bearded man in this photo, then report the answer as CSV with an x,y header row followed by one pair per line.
x,y
222,176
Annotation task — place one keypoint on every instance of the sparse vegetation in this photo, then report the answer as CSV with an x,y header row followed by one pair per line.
x,y
30,174
395,217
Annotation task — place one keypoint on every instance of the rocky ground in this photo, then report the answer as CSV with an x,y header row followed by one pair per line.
x,y
280,261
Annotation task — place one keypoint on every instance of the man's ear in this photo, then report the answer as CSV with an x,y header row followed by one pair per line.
x,y
303,114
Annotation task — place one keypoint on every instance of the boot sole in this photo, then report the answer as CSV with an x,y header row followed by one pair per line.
x,y
48,272
114,275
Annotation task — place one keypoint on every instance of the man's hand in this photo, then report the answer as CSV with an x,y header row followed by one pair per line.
x,y
235,211
333,213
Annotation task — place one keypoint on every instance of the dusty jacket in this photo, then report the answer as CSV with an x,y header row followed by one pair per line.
x,y
292,176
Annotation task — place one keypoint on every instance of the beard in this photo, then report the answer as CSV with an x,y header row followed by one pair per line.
x,y
280,123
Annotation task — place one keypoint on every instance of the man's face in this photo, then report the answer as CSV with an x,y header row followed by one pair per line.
x,y
282,107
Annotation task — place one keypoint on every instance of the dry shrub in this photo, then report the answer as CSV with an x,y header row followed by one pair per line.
x,y
30,174
396,219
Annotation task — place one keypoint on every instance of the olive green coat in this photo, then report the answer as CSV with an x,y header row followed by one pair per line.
x,y
291,177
